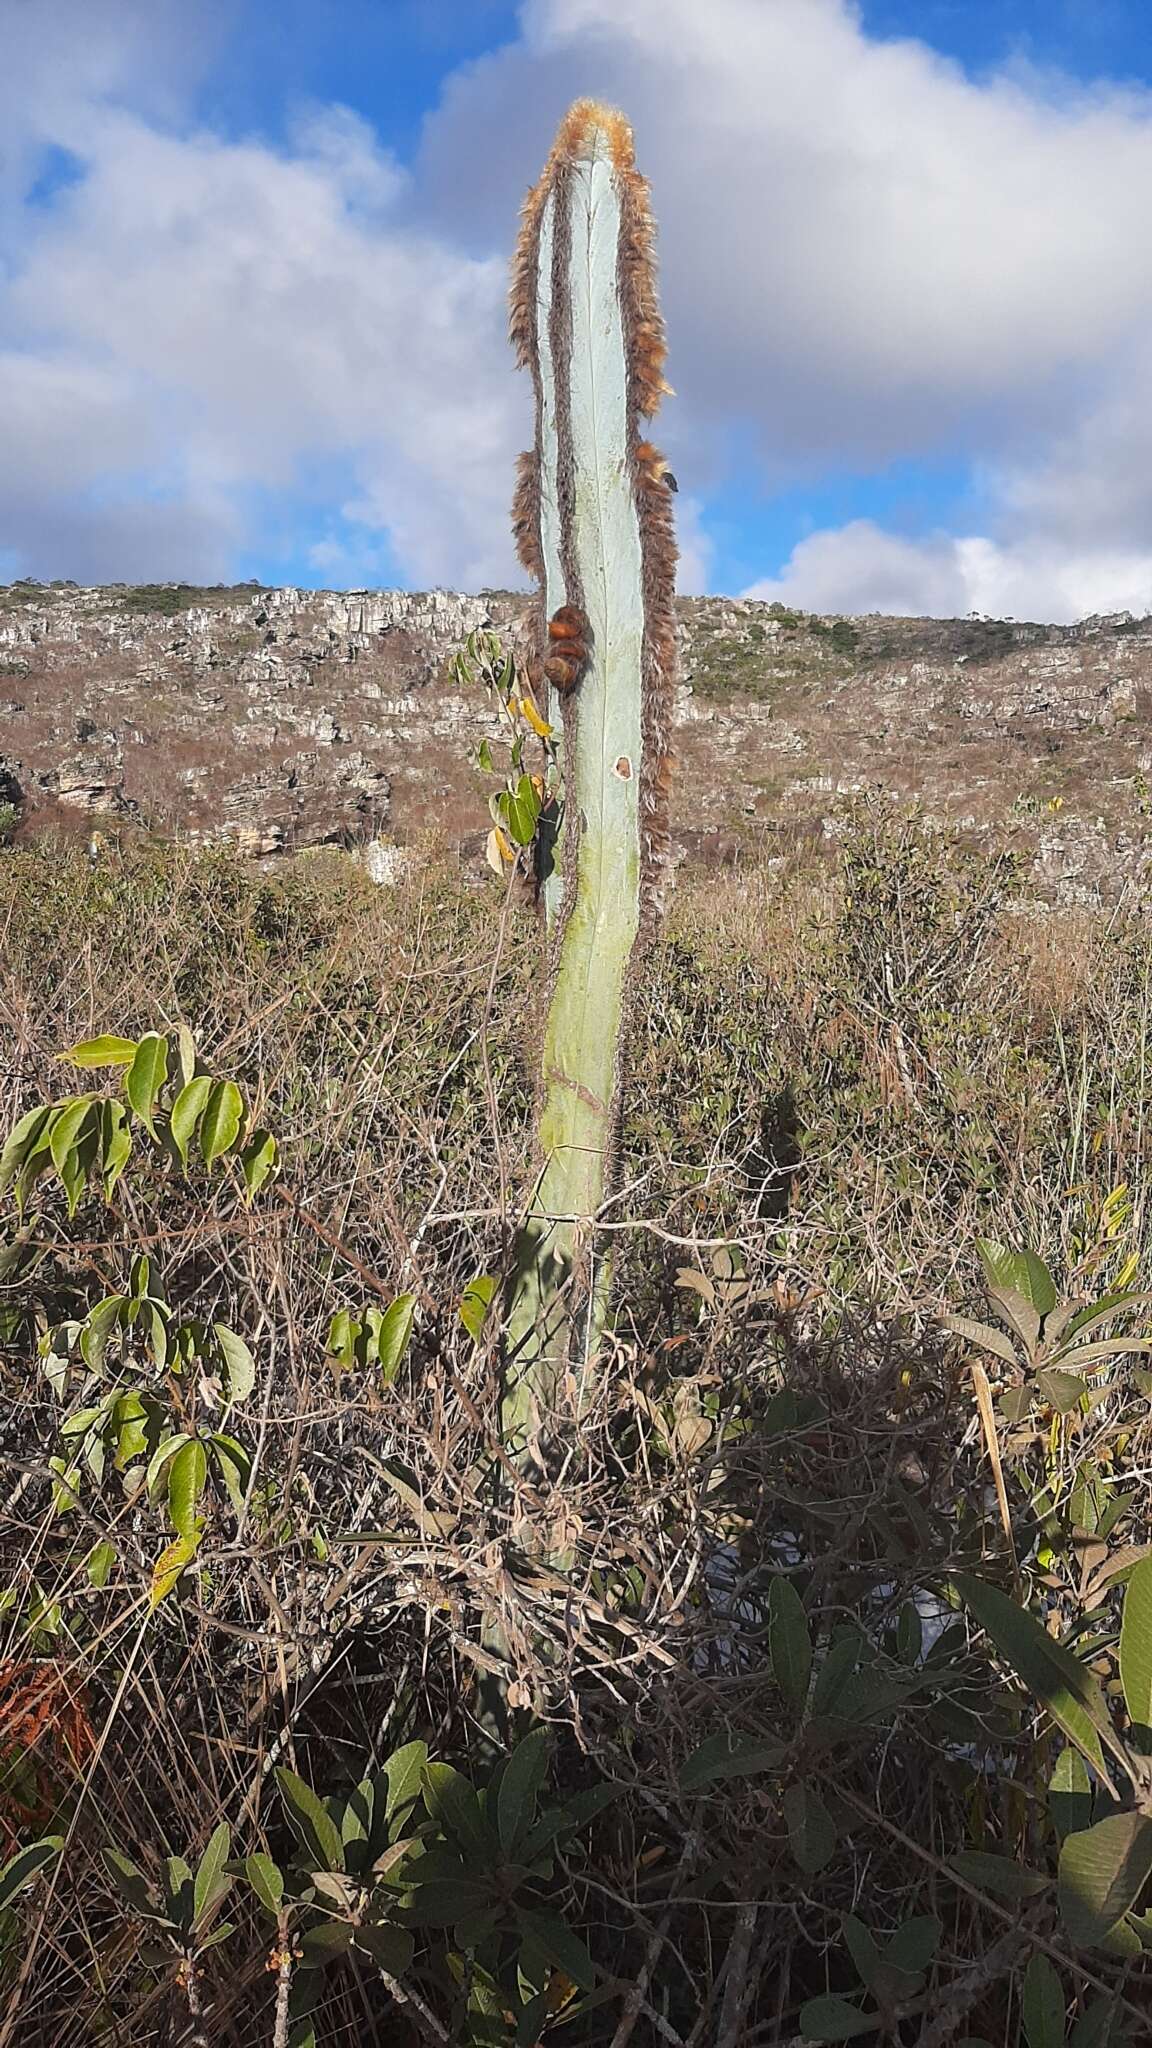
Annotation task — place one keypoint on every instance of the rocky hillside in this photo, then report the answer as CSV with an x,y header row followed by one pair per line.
x,y
282,718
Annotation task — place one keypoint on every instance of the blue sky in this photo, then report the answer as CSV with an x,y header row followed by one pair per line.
x,y
252,263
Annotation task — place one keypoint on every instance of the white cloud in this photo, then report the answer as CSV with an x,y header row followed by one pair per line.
x,y
861,568
867,256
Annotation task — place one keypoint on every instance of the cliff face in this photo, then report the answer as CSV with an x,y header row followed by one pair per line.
x,y
281,718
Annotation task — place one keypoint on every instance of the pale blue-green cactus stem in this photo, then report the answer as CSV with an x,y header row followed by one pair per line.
x,y
557,1276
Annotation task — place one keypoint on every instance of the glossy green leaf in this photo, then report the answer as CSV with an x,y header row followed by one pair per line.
x,y
25,1865
259,1159
1103,1870
187,1475
266,1880
211,1879
67,1126
404,1772
311,1820
187,1111
392,1336
220,1123
22,1140
1024,1272
146,1076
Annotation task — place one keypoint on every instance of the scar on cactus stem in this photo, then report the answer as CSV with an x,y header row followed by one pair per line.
x,y
593,522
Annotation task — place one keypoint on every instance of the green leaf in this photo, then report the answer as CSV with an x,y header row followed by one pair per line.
x,y
239,1364
520,1783
404,1773
475,1303
187,1475
789,1643
862,1949
1070,1794
22,1141
67,1126
1058,1679
170,1565
834,2019
1000,1875
729,1756
130,1881
519,810
834,1674
259,1158
146,1076
1023,1272
1136,1644
115,1144
531,2020
311,1820
1094,2025
106,1051
21,1869
391,1948
166,1449
211,1879
451,1800
266,1880
234,1467
562,1945
100,1561
444,1901
220,1123
1103,1870
811,1832
180,1891
392,1336
187,1110
1042,2004
913,1945
1061,1390
321,1944
983,1336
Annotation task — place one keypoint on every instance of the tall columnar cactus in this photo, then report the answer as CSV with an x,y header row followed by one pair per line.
x,y
593,524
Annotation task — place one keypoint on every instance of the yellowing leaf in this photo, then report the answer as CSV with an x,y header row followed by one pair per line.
x,y
539,725
106,1051
169,1565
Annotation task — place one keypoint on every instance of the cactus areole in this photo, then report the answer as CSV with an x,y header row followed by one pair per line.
x,y
593,523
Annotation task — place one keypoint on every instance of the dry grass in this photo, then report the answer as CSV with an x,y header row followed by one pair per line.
x,y
836,1087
